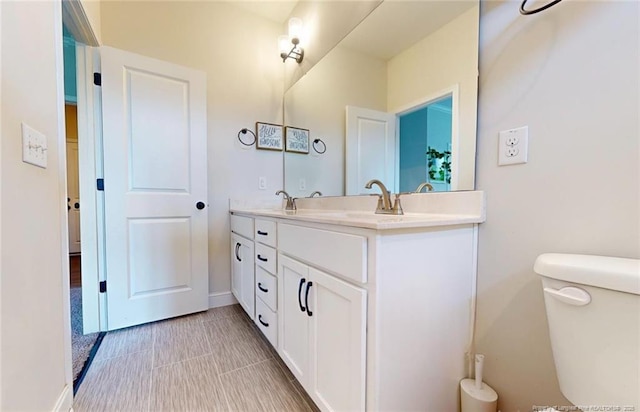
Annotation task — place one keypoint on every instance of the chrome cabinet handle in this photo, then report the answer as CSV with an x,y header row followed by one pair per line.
x,y
237,248
302,308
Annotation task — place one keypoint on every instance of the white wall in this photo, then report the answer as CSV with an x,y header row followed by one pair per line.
x,y
35,330
571,74
354,79
92,11
415,74
325,23
238,51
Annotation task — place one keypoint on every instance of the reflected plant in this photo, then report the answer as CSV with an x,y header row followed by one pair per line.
x,y
439,165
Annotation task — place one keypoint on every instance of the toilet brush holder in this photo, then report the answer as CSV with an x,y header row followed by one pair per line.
x,y
475,395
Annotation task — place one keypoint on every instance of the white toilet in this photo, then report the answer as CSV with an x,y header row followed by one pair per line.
x,y
593,309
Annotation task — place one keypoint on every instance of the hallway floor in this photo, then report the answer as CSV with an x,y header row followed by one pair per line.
x,y
210,361
75,273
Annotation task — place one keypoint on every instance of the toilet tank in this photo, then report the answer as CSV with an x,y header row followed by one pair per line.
x,y
593,310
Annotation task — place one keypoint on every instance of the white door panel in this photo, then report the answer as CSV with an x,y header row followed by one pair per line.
x,y
338,342
370,149
73,196
154,125
243,273
293,322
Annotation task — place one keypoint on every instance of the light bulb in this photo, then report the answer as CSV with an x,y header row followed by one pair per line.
x,y
284,45
295,30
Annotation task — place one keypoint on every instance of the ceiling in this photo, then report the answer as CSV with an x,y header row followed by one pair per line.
x,y
411,21
275,10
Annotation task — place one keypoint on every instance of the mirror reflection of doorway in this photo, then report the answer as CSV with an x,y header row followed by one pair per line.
x,y
425,146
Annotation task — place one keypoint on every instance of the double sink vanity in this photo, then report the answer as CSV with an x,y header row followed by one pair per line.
x,y
374,311
369,311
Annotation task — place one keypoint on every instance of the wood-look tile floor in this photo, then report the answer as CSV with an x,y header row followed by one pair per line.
x,y
211,361
75,274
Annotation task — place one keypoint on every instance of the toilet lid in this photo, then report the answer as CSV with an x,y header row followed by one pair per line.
x,y
620,274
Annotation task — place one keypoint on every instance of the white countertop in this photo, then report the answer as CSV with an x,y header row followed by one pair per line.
x,y
421,211
368,220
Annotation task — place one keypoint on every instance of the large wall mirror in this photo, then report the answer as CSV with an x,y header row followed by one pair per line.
x,y
395,100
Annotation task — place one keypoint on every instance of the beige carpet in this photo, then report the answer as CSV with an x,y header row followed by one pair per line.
x,y
81,345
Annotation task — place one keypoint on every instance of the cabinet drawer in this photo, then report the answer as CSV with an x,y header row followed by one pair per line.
x,y
266,257
242,225
267,322
266,232
266,288
344,254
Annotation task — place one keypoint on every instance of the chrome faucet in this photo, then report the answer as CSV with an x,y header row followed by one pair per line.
x,y
317,192
423,185
384,200
291,201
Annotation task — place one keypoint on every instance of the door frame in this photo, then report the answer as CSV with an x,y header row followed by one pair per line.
x,y
90,169
454,92
89,130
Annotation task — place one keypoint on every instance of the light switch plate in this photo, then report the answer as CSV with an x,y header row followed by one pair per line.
x,y
513,145
34,147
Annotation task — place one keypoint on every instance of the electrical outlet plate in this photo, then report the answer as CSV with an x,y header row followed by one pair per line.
x,y
262,183
303,184
513,146
34,147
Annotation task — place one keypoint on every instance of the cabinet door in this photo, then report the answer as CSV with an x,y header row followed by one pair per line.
x,y
243,273
337,343
293,321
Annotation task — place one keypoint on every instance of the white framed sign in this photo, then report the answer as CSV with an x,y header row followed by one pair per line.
x,y
296,140
268,136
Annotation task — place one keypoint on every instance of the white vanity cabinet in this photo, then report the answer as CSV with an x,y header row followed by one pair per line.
x,y
266,288
323,335
374,312
242,266
390,313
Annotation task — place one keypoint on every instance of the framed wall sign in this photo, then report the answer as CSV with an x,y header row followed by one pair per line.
x,y
268,136
296,140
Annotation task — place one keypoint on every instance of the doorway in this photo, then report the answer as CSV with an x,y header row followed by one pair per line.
x,y
425,141
83,346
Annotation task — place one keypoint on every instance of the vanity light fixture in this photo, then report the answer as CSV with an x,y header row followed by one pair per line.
x,y
285,41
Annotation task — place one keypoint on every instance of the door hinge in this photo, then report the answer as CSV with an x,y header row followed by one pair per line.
x,y
103,286
97,79
100,184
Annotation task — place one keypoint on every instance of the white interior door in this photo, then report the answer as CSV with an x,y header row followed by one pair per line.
x,y
370,149
73,196
155,178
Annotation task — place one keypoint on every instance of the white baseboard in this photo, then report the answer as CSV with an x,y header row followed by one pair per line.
x,y
217,300
65,400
